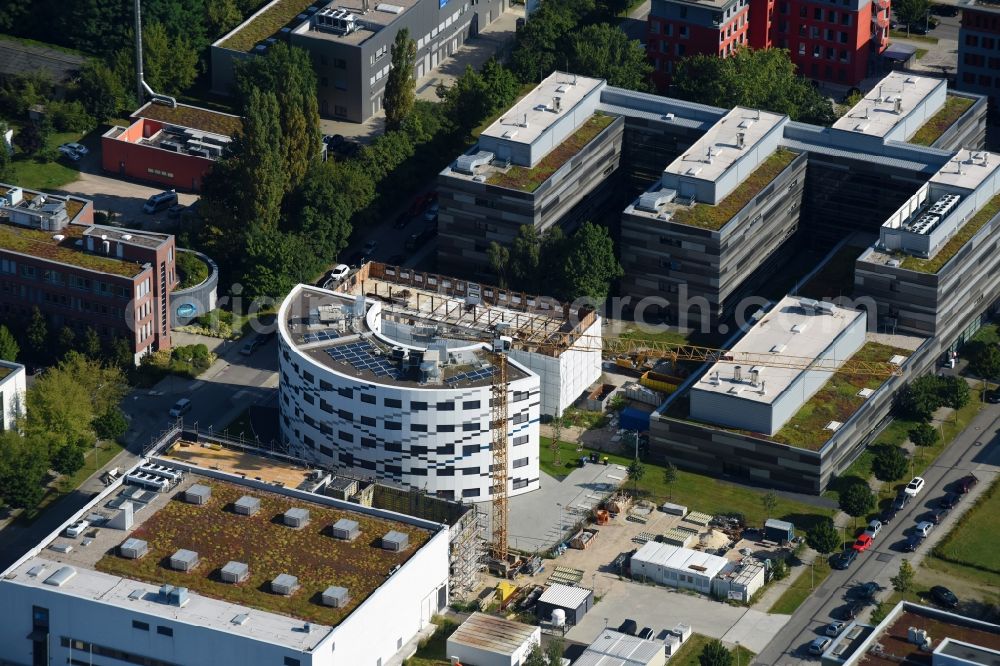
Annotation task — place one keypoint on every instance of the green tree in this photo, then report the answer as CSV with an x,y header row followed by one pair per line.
x,y
604,51
986,361
823,537
543,44
715,654
670,478
9,349
902,582
590,264
924,434
499,257
260,162
170,63
890,463
525,258
111,424
500,86
467,101
38,332
222,16
954,392
921,398
120,354
400,86
636,470
66,338
779,568
769,501
857,500
34,136
757,79
68,459
536,657
554,651
909,12
23,467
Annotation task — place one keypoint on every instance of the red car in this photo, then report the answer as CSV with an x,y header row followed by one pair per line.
x,y
863,543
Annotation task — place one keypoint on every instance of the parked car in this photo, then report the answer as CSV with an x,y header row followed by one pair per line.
x,y
863,543
851,611
431,214
874,527
950,500
888,513
992,396
161,201
914,487
845,559
333,140
924,527
942,596
338,272
646,634
938,515
628,627
869,590
901,501
180,408
69,153
251,345
175,211
967,483
818,645
913,542
77,528
834,628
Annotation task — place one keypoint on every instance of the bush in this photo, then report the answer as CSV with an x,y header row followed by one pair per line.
x,y
924,435
69,116
780,569
68,459
890,462
111,424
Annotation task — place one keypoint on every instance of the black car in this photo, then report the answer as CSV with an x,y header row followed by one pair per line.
x,y
628,627
901,501
992,397
912,542
887,515
851,611
950,501
868,590
845,559
967,483
942,596
938,515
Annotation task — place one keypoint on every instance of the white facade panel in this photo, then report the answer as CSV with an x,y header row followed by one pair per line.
x,y
12,389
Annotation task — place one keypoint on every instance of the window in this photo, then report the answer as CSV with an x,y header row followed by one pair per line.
x,y
520,418
164,631
470,492
418,427
393,425
339,110
393,402
520,439
818,14
368,421
141,626
418,406
470,427
683,32
684,12
470,471
446,471
292,661
339,63
470,449
521,462
446,406
368,398
344,414
520,483
470,404
445,427
345,436
367,443
342,392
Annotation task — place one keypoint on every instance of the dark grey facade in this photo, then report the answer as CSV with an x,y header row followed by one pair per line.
x,y
690,266
351,68
474,213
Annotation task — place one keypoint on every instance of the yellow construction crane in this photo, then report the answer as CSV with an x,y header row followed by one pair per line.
x,y
502,343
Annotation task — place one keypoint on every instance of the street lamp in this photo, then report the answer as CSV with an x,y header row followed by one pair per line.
x,y
737,653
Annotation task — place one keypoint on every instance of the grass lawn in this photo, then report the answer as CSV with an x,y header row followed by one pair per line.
x,y
266,24
951,248
932,130
697,492
860,470
94,459
569,458
837,400
836,278
38,175
974,541
706,216
901,34
688,654
921,53
433,652
802,587
988,334
530,179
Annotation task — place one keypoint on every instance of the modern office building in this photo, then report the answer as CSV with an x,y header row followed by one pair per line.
x,y
840,44
174,146
979,48
81,275
182,564
12,388
913,633
350,42
714,225
545,163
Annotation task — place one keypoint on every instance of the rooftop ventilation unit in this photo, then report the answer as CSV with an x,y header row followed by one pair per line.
x,y
284,584
338,21
826,307
165,472
651,201
184,560
198,494
335,597
345,529
737,373
247,505
741,140
173,596
133,549
235,572
808,304
389,9
395,541
62,576
296,517
469,163
14,196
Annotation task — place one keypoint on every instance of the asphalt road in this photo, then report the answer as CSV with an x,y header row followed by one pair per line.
x,y
976,449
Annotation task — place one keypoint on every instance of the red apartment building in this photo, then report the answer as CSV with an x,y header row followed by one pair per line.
x,y
80,275
174,146
829,40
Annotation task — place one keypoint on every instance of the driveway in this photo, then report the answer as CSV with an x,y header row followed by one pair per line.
x,y
125,198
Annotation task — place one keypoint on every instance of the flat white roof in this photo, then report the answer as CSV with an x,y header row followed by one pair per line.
x,y
565,595
967,169
788,330
494,634
613,648
692,562
98,587
717,149
875,114
537,107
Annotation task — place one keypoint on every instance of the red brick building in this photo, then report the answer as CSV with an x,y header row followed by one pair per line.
x,y
829,41
172,146
81,275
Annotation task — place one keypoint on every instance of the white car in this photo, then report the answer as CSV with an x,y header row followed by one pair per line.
x,y
78,147
339,272
924,528
819,645
834,628
874,527
77,528
914,487
69,153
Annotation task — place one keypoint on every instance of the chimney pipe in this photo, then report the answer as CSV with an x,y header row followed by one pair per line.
x,y
737,373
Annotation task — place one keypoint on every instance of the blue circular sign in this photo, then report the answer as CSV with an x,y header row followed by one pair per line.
x,y
186,310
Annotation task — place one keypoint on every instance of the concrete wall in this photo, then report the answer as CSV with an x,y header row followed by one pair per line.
x,y
470,655
201,297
